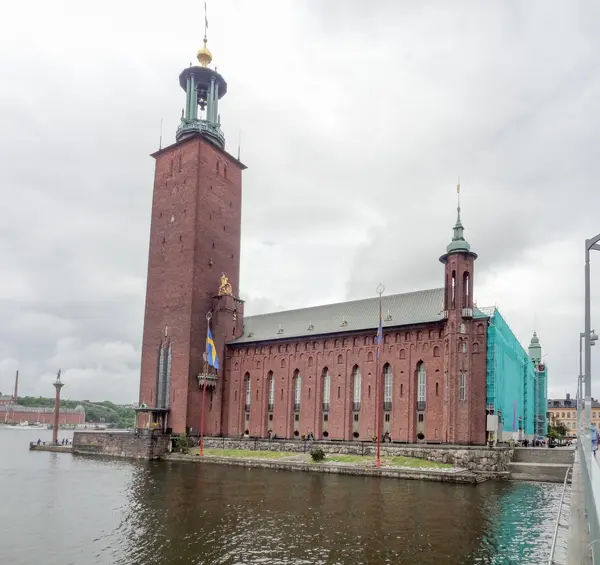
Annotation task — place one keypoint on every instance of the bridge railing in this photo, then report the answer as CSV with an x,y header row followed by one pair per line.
x,y
590,473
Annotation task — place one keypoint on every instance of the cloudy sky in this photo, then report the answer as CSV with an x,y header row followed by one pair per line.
x,y
355,116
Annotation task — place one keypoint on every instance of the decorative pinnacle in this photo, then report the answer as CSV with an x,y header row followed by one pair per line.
x,y
204,54
458,243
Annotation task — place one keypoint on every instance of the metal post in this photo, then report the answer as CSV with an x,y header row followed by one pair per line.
x,y
378,404
587,414
208,317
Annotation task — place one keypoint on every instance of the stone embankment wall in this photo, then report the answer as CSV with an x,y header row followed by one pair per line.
x,y
483,459
134,445
437,475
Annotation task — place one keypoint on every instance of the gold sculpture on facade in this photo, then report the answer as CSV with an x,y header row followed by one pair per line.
x,y
225,288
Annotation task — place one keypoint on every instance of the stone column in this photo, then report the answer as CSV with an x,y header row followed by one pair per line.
x,y
57,385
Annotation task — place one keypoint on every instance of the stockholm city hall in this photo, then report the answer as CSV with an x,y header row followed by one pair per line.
x,y
292,373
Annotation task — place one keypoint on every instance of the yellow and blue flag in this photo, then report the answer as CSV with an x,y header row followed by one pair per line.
x,y
211,351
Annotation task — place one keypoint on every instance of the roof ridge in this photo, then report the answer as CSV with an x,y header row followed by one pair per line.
x,y
355,301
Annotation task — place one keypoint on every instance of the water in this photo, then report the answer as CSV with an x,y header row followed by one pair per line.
x,y
58,509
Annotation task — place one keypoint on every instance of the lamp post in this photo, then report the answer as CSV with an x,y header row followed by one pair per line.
x,y
590,244
593,340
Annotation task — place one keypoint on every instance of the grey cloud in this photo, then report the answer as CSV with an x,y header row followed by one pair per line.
x,y
355,122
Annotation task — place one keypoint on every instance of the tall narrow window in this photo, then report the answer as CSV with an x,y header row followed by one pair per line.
x,y
387,387
453,290
421,385
466,290
160,375
271,389
326,389
462,391
167,392
247,391
356,379
297,389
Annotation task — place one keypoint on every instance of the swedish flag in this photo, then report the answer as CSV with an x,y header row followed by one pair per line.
x,y
211,351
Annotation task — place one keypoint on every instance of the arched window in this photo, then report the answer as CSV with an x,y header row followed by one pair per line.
x,y
283,363
419,336
421,385
326,389
297,389
466,290
402,354
370,356
247,391
236,366
464,347
340,359
271,389
463,329
453,290
441,334
479,329
475,348
387,387
356,384
436,351
310,362
462,389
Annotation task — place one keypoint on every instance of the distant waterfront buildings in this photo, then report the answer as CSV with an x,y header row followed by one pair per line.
x,y
564,410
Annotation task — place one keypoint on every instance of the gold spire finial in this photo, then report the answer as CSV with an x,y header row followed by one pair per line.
x,y
204,55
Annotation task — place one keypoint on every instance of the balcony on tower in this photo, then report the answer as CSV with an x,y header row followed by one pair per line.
x,y
387,405
421,405
325,406
270,407
356,406
296,407
207,379
467,312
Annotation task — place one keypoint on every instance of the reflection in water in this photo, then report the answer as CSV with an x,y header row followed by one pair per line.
x,y
184,513
62,510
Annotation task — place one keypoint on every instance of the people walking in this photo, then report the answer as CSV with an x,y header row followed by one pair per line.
x,y
594,439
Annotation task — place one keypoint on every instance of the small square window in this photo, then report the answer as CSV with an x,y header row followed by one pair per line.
x,y
270,417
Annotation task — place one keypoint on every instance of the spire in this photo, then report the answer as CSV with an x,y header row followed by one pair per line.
x,y
204,55
458,243
535,349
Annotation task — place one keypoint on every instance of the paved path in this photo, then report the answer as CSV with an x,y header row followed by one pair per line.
x,y
578,540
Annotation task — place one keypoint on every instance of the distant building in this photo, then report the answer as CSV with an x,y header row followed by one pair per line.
x,y
5,400
16,414
564,410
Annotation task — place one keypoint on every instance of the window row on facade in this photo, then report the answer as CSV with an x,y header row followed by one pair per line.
x,y
357,392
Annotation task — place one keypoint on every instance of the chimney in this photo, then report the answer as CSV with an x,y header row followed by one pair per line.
x,y
568,396
16,395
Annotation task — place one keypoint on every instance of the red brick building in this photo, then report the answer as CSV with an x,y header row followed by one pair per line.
x,y
16,414
301,371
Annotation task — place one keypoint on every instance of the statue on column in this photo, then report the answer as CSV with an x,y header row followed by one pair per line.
x,y
225,288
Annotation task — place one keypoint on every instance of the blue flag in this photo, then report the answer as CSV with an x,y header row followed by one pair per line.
x,y
211,351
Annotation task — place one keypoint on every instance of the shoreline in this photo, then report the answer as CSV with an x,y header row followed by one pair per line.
x,y
449,475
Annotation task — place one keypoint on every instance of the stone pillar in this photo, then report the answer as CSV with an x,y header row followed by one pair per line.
x,y
57,385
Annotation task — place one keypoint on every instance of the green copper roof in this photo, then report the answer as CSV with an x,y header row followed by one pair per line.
x,y
458,243
397,310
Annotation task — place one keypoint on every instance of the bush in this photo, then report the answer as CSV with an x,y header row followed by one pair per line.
x,y
180,443
317,454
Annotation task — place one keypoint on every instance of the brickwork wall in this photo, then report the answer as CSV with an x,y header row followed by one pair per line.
x,y
121,444
403,350
194,238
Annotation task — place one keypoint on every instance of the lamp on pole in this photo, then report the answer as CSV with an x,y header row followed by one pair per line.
x,y
593,340
590,244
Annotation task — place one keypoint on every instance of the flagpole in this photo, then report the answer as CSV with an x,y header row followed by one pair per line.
x,y
380,290
205,356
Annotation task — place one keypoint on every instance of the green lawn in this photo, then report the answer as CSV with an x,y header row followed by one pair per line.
x,y
397,461
242,453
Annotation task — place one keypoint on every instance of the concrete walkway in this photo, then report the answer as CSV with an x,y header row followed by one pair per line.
x,y
579,539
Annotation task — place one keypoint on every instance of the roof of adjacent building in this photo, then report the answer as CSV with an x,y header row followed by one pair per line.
x,y
568,403
411,308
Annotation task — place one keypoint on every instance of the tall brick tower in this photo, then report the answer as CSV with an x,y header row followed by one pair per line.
x,y
464,406
194,242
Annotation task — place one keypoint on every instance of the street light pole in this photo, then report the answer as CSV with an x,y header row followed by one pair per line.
x,y
593,340
590,244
